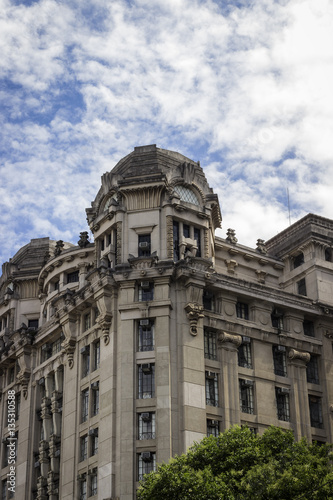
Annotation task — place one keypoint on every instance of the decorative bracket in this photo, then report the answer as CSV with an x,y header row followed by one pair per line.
x,y
194,313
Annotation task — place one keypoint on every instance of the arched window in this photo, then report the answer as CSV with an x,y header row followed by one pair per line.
x,y
186,194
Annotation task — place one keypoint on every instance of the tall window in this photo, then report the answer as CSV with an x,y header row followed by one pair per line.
x,y
83,488
208,300
144,244
246,396
298,260
146,421
308,328
176,254
95,398
93,484
312,371
210,345
212,427
146,463
277,319
146,381
96,355
301,287
94,441
212,396
242,310
83,448
87,321
282,404
244,353
279,359
197,238
146,335
85,358
316,414
84,405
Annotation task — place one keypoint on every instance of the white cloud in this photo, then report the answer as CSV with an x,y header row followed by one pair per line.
x,y
245,89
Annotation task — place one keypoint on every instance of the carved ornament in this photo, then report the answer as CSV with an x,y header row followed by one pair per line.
x,y
104,321
294,354
228,338
194,313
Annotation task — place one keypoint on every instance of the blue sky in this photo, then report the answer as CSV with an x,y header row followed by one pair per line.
x,y
245,87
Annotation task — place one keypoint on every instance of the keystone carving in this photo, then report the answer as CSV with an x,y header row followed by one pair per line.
x,y
231,266
194,313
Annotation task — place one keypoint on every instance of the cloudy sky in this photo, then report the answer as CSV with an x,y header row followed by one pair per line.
x,y
243,86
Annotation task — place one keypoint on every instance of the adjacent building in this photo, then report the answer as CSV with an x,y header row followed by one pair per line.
x,y
120,353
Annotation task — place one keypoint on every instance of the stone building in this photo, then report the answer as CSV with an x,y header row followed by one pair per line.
x,y
120,353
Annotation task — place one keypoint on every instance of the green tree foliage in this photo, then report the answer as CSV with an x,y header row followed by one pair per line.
x,y
239,465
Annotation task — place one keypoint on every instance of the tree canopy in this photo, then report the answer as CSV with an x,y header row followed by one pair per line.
x,y
239,464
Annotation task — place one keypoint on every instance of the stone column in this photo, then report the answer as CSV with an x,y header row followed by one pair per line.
x,y
230,387
299,394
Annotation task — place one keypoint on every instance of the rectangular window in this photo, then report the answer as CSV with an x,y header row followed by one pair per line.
x,y
95,398
316,414
85,359
146,336
212,396
312,371
277,319
244,353
84,405
56,346
11,374
96,355
144,244
146,463
282,404
146,381
246,396
93,485
242,310
83,488
212,427
83,448
176,254
33,323
208,301
146,291
197,238
298,260
279,359
146,425
94,441
210,345
308,328
186,230
301,287
17,406
73,277
87,321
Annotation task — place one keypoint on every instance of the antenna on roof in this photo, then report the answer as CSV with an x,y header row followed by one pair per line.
x,y
288,206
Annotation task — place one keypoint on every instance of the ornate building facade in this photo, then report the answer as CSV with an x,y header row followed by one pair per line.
x,y
118,354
